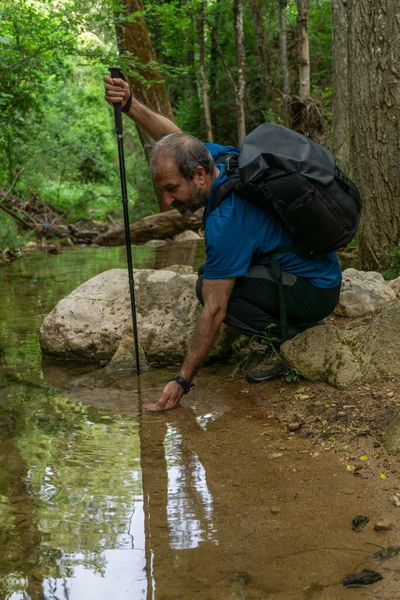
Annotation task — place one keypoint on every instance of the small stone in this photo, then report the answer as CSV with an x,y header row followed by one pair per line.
x,y
360,522
275,455
243,578
305,431
396,500
275,510
384,525
366,577
294,426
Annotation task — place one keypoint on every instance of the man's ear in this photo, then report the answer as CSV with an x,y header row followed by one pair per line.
x,y
199,175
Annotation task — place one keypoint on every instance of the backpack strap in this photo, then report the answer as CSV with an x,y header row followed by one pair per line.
x,y
224,189
277,273
231,161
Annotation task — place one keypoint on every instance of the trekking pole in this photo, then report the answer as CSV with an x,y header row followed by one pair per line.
x,y
116,74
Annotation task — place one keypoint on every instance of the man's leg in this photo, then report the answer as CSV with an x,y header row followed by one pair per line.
x,y
253,308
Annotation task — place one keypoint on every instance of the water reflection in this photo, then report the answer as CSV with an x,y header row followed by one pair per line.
x,y
189,508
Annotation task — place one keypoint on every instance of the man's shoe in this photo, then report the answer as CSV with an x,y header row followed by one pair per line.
x,y
272,371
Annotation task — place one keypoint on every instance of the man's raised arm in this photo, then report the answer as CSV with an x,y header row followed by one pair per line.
x,y
155,125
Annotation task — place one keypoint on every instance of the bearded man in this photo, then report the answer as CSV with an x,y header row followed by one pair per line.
x,y
237,284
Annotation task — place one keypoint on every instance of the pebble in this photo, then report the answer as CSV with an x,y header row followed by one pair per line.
x,y
366,577
275,510
384,525
294,426
360,522
275,455
396,500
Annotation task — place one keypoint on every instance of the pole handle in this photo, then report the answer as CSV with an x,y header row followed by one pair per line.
x,y
116,73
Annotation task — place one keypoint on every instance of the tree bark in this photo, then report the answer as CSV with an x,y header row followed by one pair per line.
x,y
241,63
340,82
374,80
303,49
159,226
203,75
283,47
262,48
134,40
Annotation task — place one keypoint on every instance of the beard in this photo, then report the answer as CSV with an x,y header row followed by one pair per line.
x,y
196,199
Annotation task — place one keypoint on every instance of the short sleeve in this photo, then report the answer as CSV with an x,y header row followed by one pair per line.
x,y
216,150
229,247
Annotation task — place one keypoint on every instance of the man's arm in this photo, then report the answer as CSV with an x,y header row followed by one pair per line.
x,y
155,125
216,293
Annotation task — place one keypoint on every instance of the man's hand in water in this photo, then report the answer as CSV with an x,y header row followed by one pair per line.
x,y
170,398
117,90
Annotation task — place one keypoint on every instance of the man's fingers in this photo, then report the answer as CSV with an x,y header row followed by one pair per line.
x,y
152,406
114,92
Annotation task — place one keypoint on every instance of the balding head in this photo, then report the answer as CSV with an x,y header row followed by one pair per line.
x,y
185,152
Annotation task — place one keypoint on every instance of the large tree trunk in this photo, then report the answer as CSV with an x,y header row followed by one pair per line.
x,y
203,75
340,88
262,48
241,63
374,79
133,38
303,49
283,47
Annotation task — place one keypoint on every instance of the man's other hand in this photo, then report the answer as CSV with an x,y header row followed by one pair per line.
x,y
170,398
117,90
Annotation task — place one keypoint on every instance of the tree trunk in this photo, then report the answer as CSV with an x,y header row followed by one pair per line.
x,y
214,77
340,87
374,80
303,50
160,226
203,75
283,47
241,63
262,48
133,39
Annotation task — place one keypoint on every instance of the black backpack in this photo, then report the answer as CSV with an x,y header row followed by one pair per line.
x,y
296,180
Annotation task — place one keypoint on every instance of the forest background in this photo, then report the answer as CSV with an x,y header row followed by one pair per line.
x,y
219,68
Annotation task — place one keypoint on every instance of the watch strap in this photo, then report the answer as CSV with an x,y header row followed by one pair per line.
x,y
185,385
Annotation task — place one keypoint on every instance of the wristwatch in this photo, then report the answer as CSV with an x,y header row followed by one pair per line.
x,y
185,385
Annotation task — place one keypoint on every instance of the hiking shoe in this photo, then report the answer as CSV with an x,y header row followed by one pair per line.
x,y
272,371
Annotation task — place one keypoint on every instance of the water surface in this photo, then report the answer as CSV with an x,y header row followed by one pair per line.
x,y
212,501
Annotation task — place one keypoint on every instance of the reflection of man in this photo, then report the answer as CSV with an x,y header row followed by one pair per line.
x,y
237,285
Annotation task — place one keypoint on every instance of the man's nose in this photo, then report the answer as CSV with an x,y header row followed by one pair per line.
x,y
168,199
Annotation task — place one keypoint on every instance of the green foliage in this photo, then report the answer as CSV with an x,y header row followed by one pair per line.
x,y
10,236
393,264
57,134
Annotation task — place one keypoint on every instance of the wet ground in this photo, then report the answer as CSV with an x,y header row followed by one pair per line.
x,y
213,501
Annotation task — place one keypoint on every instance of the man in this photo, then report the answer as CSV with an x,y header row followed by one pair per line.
x,y
237,285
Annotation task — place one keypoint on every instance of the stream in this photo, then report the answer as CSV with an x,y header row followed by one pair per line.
x,y
100,500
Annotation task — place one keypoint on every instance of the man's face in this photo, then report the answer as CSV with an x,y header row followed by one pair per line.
x,y
184,195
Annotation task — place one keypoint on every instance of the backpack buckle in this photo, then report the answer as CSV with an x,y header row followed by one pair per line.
x,y
231,163
342,177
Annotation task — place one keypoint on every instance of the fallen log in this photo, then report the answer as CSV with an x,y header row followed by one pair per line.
x,y
159,226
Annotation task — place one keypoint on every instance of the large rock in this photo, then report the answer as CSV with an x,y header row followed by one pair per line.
x,y
90,323
344,358
363,292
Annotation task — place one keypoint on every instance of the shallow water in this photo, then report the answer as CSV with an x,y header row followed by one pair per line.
x,y
214,501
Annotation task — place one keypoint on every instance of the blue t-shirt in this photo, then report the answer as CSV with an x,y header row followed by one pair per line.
x,y
239,234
